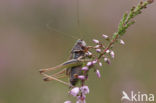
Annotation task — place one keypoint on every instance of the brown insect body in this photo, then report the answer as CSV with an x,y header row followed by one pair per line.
x,y
72,67
78,51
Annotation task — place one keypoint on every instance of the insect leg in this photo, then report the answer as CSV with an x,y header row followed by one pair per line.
x,y
49,69
57,75
68,64
56,79
49,79
60,72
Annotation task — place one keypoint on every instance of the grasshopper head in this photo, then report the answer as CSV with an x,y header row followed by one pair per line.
x,y
79,45
81,42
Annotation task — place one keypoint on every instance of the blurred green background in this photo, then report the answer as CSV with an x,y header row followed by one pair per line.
x,y
37,34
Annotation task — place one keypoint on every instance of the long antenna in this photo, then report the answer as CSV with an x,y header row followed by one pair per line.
x,y
56,30
72,35
77,13
82,35
78,17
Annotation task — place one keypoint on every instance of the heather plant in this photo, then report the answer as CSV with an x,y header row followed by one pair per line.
x,y
100,53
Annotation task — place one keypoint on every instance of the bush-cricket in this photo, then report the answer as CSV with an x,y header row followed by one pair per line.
x,y
72,67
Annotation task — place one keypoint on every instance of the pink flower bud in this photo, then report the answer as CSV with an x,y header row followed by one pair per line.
x,y
107,51
74,92
67,102
97,46
89,53
94,62
85,68
98,50
112,54
96,41
104,36
89,63
84,89
100,64
80,101
98,73
81,98
122,42
107,60
82,77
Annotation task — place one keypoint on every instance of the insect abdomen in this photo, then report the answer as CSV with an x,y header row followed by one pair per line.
x,y
74,71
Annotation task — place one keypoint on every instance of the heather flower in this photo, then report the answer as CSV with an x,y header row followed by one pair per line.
x,y
96,41
98,73
104,36
89,53
80,101
107,60
85,68
89,63
94,62
112,54
107,51
97,46
67,102
75,91
84,89
122,42
100,64
81,97
82,77
98,50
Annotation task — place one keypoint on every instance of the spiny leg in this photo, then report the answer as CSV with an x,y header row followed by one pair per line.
x,y
54,78
60,72
57,75
49,69
49,79
67,64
